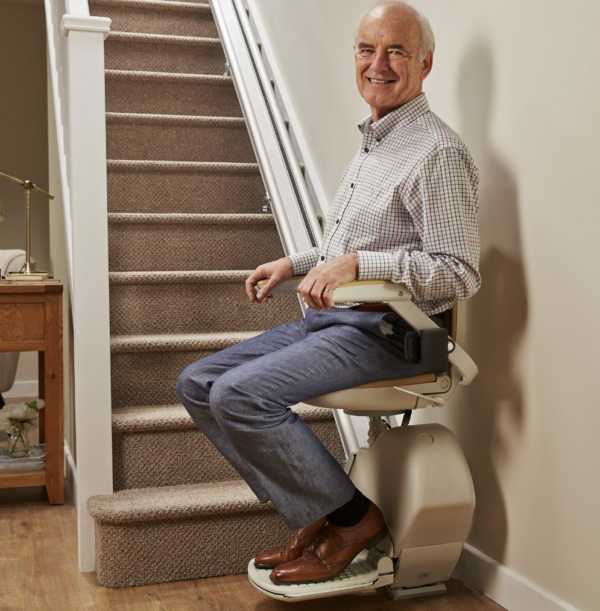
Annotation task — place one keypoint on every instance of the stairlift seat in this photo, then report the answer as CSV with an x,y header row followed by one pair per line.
x,y
416,474
385,398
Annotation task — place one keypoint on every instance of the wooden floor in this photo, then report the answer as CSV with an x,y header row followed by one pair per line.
x,y
38,571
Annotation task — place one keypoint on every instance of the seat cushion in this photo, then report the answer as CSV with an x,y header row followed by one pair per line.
x,y
422,379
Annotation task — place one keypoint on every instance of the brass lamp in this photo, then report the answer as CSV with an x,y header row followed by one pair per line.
x,y
28,268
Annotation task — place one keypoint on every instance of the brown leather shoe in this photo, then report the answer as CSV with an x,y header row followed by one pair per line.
x,y
332,550
291,550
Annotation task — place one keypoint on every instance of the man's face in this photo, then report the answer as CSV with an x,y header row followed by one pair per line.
x,y
388,70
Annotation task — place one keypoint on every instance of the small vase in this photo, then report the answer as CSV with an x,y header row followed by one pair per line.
x,y
18,443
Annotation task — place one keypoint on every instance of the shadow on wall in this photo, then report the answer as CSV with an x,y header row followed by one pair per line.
x,y
496,317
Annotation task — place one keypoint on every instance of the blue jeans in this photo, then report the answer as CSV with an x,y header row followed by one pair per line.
x,y
240,397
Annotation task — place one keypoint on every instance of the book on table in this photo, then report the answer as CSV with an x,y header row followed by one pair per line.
x,y
36,460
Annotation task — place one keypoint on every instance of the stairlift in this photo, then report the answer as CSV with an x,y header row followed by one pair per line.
x,y
417,475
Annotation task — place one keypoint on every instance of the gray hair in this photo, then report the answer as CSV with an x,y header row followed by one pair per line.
x,y
427,37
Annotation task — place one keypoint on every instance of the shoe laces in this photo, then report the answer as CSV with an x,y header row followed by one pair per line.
x,y
322,540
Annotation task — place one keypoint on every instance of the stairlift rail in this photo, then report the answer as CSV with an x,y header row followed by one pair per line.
x,y
293,210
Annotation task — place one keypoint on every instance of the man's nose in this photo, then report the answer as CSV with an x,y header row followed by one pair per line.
x,y
381,62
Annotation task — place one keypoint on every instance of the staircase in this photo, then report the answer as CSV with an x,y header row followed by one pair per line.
x,y
185,228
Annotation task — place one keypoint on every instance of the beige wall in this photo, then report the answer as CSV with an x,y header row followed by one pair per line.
x,y
24,134
517,80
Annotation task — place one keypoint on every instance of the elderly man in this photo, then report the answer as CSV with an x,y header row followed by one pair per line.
x,y
405,211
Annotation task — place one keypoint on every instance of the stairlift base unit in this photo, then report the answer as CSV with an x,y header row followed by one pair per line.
x,y
419,478
404,593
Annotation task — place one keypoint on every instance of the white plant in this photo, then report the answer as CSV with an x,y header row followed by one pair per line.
x,y
19,414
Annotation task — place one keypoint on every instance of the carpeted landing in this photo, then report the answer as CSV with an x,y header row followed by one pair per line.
x,y
185,227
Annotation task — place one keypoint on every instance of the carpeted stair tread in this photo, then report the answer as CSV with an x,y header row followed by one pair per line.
x,y
145,165
137,37
175,502
137,118
122,344
157,17
136,419
190,219
169,5
169,277
174,77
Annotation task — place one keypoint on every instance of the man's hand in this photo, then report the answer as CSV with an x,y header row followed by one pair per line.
x,y
275,272
320,282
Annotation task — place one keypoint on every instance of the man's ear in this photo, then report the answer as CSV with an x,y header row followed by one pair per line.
x,y
426,65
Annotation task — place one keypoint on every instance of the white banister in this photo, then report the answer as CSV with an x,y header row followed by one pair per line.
x,y
76,54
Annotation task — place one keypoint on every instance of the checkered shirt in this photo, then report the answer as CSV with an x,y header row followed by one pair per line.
x,y
407,204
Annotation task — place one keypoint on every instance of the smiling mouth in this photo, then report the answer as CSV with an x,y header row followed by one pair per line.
x,y
379,81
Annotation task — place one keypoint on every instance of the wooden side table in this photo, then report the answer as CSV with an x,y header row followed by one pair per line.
x,y
31,320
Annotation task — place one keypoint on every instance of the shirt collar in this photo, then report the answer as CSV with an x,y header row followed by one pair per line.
x,y
400,117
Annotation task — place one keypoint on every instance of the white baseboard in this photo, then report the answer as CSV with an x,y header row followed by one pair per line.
x,y
23,389
503,585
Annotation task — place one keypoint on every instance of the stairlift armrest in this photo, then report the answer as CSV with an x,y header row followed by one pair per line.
x,y
358,290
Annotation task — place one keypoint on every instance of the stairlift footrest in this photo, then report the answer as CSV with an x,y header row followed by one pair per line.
x,y
367,571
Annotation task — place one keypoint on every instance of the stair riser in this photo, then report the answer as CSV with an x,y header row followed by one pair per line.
x,y
195,192
149,378
168,142
150,21
171,458
163,57
171,98
167,458
137,309
156,247
142,553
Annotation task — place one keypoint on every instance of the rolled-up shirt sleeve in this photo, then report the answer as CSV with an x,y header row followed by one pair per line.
x,y
440,195
303,261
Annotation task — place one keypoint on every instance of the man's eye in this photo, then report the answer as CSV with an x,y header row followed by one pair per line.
x,y
395,53
365,52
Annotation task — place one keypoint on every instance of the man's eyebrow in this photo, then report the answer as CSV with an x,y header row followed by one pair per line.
x,y
366,45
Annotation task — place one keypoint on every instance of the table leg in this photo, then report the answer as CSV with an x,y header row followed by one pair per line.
x,y
53,389
41,395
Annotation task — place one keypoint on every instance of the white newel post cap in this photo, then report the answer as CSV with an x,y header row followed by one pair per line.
x,y
85,23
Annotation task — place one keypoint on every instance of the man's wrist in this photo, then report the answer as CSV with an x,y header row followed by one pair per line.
x,y
353,256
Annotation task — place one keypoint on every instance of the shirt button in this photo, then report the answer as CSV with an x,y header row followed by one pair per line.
x,y
352,186
337,222
366,150
378,139
322,258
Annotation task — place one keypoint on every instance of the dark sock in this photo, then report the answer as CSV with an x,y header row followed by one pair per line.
x,y
352,512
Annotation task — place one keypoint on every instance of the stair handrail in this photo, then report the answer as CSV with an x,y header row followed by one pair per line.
x,y
76,62
293,207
